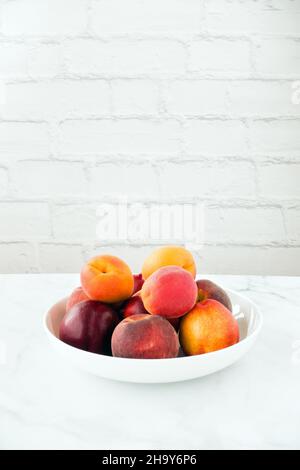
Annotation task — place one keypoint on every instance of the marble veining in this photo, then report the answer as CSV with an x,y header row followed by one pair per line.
x,y
47,404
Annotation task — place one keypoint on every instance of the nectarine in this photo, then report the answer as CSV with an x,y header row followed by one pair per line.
x,y
133,306
169,256
209,326
138,283
89,325
209,290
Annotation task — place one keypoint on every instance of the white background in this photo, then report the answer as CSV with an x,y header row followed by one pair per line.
x,y
160,100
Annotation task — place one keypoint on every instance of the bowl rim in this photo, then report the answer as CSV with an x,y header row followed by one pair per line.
x,y
250,337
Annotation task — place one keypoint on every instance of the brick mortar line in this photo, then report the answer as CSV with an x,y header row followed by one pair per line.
x,y
180,37
155,118
159,118
210,202
88,241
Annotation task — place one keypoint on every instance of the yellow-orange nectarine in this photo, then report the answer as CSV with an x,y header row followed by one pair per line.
x,y
209,326
169,256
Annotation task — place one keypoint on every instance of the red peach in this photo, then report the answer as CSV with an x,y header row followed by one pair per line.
x,y
145,337
170,291
135,306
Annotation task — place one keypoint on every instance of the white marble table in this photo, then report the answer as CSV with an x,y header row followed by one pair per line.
x,y
46,404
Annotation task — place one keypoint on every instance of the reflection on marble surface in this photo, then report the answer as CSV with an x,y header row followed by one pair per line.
x,y
46,403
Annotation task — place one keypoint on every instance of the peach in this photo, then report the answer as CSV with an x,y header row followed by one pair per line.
x,y
145,337
209,290
134,306
169,256
107,278
78,295
170,291
209,326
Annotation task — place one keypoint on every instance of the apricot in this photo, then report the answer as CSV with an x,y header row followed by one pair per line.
x,y
145,337
209,290
170,291
169,256
107,278
208,327
78,295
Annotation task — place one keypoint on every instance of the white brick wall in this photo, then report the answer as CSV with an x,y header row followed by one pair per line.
x,y
142,16
132,137
162,100
127,57
220,57
44,17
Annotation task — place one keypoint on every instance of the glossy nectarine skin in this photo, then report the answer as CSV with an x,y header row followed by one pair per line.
x,y
145,337
170,291
89,325
138,283
208,327
78,295
209,290
133,306
169,256
107,278
175,322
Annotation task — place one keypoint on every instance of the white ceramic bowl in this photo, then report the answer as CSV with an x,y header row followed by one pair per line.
x,y
160,370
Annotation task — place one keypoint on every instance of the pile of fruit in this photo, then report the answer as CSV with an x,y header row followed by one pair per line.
x,y
161,313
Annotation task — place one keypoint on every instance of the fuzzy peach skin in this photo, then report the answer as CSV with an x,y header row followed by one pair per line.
x,y
209,326
169,256
107,278
78,295
145,337
170,292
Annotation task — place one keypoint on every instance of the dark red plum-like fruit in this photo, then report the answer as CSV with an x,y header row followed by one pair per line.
x,y
133,306
138,283
209,290
89,325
